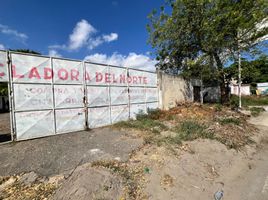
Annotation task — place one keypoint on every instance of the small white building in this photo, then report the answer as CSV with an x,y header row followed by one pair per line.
x,y
245,89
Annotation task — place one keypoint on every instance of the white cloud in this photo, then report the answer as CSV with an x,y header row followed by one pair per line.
x,y
54,53
94,42
80,35
2,47
133,60
8,31
111,37
83,36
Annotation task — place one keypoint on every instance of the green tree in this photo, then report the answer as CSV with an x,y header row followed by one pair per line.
x,y
186,31
26,51
255,71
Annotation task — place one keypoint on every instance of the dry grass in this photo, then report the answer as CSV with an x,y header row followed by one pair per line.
x,y
20,191
192,121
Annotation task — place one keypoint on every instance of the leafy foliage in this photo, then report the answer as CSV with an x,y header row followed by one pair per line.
x,y
26,51
3,89
201,35
255,71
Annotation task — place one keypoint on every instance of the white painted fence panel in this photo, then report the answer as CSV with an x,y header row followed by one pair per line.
x,y
32,97
119,113
31,69
137,94
34,124
119,95
96,74
68,96
98,117
97,96
67,71
68,120
3,67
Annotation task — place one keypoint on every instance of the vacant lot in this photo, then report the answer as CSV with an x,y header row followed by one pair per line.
x,y
189,152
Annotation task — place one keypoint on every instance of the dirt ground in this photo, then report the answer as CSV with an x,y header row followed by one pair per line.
x,y
118,165
4,123
62,153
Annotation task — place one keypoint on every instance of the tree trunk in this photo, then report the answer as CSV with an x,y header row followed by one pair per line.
x,y
224,95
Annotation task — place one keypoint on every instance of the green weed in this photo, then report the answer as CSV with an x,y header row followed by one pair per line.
x,y
255,111
229,120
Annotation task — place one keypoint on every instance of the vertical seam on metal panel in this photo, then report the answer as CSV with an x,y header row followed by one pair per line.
x,y
110,99
85,96
53,97
128,91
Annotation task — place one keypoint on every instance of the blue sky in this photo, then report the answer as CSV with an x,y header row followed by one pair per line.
x,y
112,31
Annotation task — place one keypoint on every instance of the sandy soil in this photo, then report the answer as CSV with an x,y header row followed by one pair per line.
x,y
4,123
194,171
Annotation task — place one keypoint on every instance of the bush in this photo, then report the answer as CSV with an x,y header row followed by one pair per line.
x,y
234,102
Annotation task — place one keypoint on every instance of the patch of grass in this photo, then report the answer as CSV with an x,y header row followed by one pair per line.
x,y
231,144
186,131
191,130
123,171
169,140
154,114
218,107
249,100
229,120
255,111
144,123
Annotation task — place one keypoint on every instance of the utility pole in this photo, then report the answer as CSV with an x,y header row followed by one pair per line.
x,y
239,73
239,79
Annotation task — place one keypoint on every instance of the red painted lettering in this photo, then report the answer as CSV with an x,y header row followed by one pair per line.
x,y
122,78
63,74
140,78
114,79
34,73
14,75
87,77
48,73
135,79
98,77
74,74
145,80
2,73
129,79
107,78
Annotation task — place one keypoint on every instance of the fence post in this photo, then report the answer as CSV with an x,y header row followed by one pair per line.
x,y
11,98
